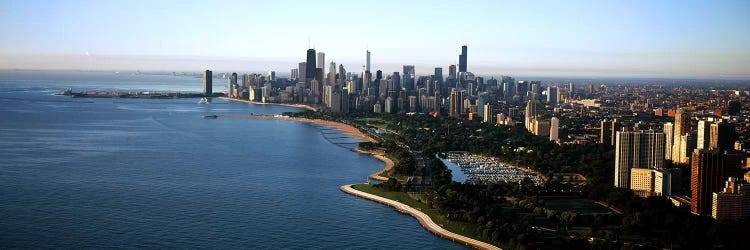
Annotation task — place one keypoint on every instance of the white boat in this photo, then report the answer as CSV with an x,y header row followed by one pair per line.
x,y
204,101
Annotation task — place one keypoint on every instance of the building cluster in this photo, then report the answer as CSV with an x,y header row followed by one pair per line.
x,y
654,126
707,145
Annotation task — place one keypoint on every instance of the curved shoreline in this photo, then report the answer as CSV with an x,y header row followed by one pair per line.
x,y
381,157
423,219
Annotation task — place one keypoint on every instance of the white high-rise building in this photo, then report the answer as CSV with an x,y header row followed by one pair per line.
x,y
669,133
367,66
554,129
487,113
530,114
643,149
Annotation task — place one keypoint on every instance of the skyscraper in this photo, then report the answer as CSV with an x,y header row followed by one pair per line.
x,y
368,62
487,114
332,74
703,134
310,67
438,75
554,129
552,95
301,72
707,176
722,135
643,149
669,133
530,114
456,103
408,82
452,73
321,61
462,60
605,135
681,126
207,83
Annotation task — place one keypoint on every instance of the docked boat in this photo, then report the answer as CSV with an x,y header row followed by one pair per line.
x,y
204,100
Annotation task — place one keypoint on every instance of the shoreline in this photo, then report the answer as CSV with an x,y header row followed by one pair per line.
x,y
423,219
302,106
381,157
344,128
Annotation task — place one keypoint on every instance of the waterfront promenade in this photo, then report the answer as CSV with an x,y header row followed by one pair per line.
x,y
421,217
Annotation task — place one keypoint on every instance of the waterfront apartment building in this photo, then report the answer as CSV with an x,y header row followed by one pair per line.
x,y
643,149
207,83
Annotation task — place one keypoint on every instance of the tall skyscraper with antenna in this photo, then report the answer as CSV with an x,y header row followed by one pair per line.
x,y
310,67
462,59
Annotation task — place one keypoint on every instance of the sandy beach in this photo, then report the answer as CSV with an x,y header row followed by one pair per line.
x,y
345,128
380,155
267,103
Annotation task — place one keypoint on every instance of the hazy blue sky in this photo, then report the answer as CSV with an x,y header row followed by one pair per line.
x,y
579,38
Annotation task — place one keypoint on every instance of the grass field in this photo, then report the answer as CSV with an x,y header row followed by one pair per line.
x,y
461,228
575,204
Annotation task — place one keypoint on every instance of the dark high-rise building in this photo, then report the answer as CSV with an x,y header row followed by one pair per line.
x,y
310,67
521,88
409,75
462,59
207,83
456,108
452,73
552,95
396,82
438,76
722,135
378,75
707,176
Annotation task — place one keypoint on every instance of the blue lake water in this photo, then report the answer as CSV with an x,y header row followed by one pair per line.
x,y
130,173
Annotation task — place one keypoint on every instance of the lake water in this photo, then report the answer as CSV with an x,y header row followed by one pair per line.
x,y
130,173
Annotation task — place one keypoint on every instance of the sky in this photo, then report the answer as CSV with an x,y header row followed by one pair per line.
x,y
671,39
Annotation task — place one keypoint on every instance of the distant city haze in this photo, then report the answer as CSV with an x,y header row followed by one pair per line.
x,y
671,39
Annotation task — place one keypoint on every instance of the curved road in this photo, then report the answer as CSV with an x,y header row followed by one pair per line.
x,y
422,218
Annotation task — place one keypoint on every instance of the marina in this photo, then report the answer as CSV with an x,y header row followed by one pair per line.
x,y
483,169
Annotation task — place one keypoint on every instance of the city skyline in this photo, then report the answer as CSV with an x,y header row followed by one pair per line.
x,y
545,38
